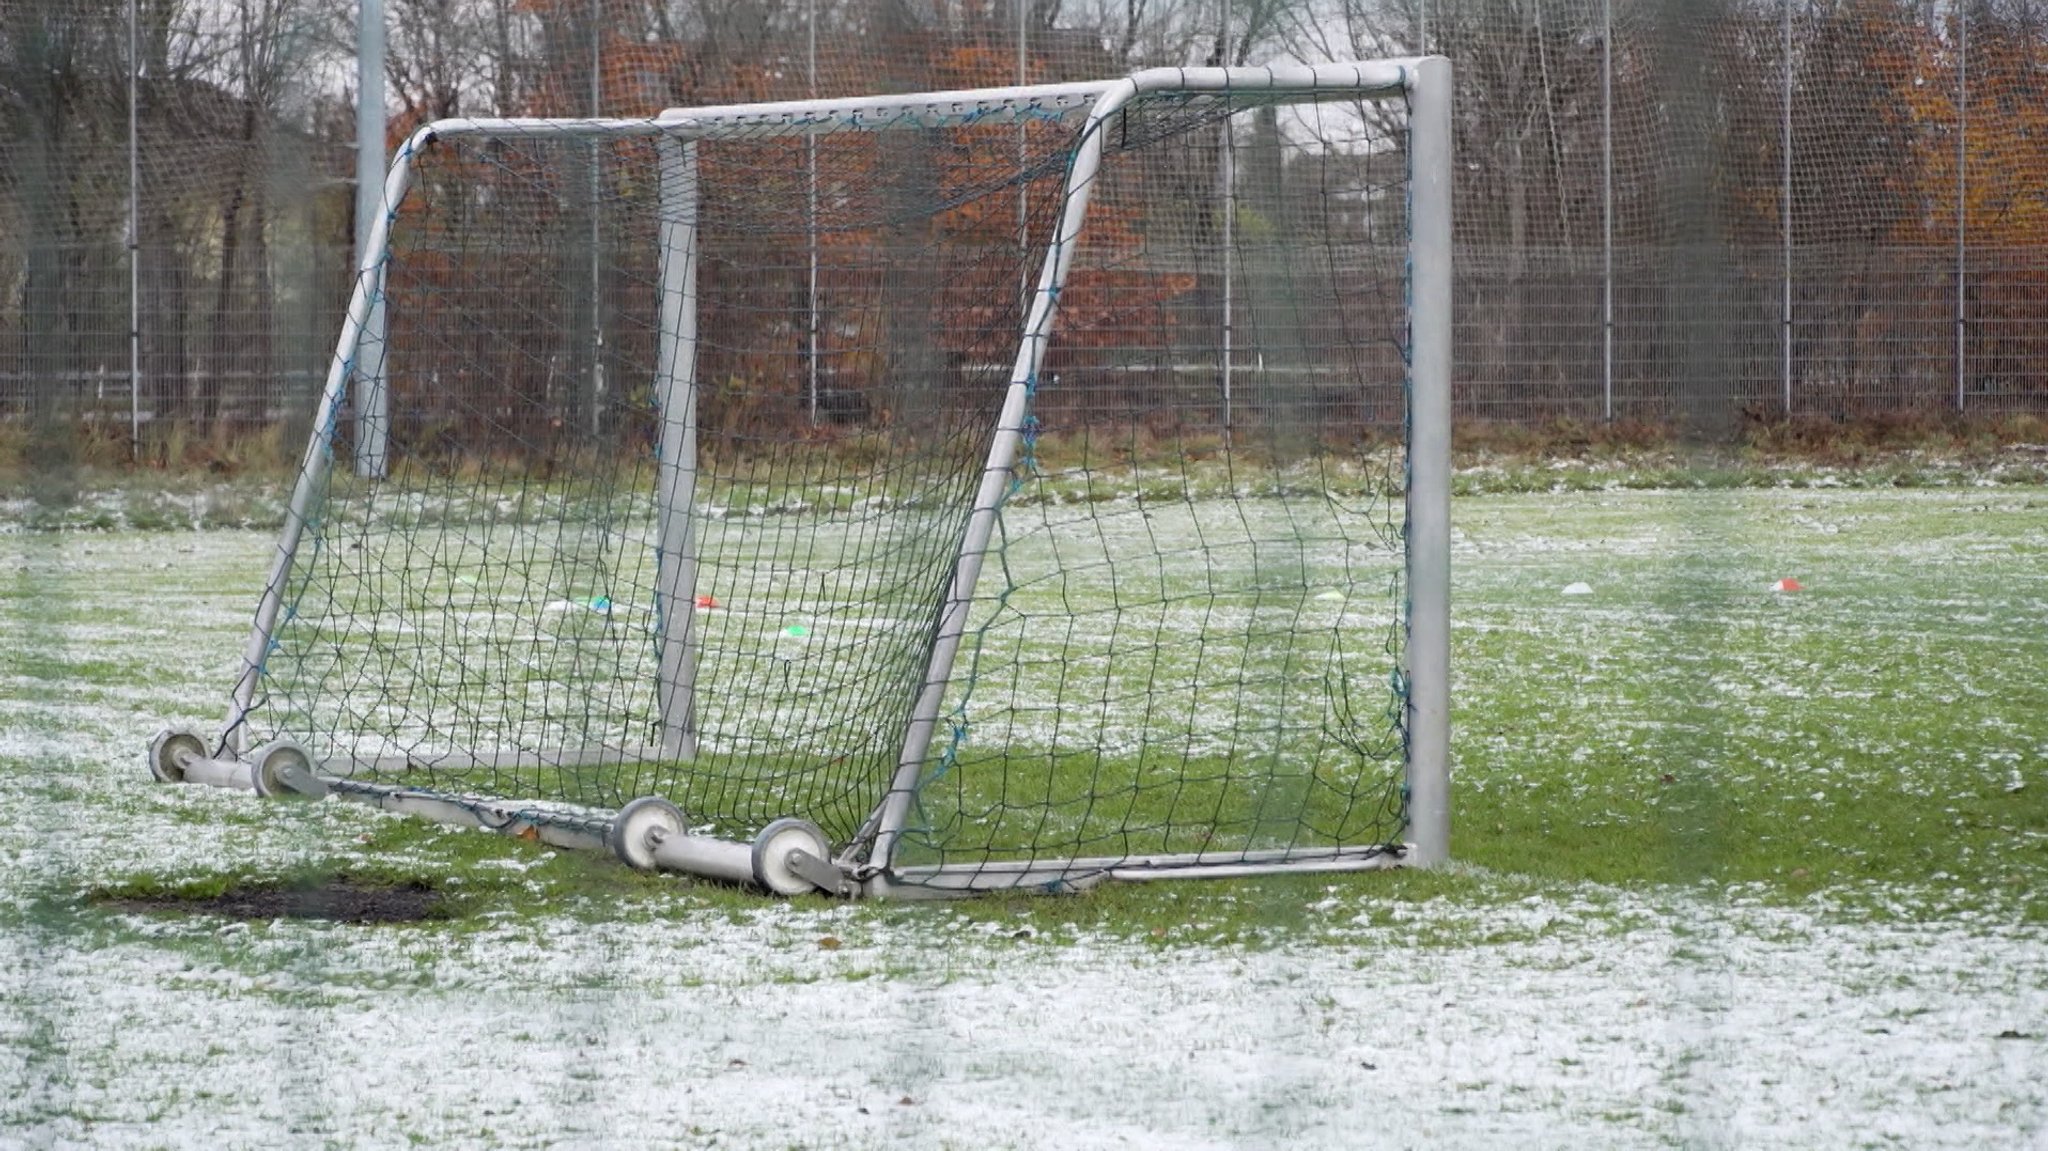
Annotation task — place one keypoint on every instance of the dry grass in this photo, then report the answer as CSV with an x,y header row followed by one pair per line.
x,y
51,461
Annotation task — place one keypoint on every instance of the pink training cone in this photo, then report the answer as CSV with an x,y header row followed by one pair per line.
x,y
1788,585
706,603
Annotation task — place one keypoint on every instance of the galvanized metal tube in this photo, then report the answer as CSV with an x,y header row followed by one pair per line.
x,y
319,457
226,773
702,855
675,393
1429,462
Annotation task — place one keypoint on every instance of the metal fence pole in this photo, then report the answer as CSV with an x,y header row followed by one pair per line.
x,y
1226,181
1023,188
371,398
596,223
1785,214
1607,209
134,248
1962,196
811,209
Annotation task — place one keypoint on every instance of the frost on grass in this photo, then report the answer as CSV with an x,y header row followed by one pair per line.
x,y
1539,1012
1700,1024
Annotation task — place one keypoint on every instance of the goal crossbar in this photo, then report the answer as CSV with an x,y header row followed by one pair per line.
x,y
952,107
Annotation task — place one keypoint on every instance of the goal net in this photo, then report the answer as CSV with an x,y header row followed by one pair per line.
x,y
1014,487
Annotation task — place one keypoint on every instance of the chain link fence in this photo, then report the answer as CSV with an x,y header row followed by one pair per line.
x,y
1850,223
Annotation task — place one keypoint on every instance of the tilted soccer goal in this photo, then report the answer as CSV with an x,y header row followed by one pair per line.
x,y
916,494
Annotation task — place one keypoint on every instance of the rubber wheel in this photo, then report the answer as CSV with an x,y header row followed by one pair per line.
x,y
631,834
771,855
169,750
283,769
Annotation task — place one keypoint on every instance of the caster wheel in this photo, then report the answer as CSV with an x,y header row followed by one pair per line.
x,y
634,829
771,855
283,768
169,751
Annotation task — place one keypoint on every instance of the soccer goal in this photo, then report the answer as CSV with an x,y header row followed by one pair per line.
x,y
917,494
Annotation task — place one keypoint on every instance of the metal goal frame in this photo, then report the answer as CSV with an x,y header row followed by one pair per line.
x,y
791,856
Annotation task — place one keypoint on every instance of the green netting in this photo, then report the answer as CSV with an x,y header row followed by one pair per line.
x,y
1187,633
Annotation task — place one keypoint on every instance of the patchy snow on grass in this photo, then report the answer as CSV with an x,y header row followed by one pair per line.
x,y
1697,1023
1579,1015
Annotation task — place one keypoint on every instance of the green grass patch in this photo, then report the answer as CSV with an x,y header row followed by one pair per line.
x,y
1874,745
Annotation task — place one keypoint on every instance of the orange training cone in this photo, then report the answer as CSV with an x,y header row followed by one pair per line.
x,y
1788,585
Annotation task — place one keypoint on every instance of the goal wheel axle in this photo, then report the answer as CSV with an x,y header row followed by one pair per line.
x,y
282,767
789,857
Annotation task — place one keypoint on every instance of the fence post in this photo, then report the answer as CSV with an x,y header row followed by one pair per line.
x,y
811,213
1607,208
1962,197
134,247
1785,216
371,398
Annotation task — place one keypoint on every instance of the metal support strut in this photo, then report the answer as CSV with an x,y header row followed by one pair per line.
x,y
789,857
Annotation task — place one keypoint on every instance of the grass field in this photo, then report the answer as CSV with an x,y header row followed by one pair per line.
x,y
1736,868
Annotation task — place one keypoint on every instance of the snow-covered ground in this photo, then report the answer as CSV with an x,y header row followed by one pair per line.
x,y
1582,1016
1692,1021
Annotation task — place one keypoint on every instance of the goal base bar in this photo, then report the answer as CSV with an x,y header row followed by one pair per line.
x,y
592,829
1060,876
574,829
602,755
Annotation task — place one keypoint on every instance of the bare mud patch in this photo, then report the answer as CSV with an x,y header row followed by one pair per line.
x,y
339,899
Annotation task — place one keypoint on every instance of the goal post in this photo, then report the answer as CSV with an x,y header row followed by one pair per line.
x,y
874,577
675,399
1429,464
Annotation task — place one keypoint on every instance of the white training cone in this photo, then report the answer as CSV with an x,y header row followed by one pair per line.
x,y
1578,589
